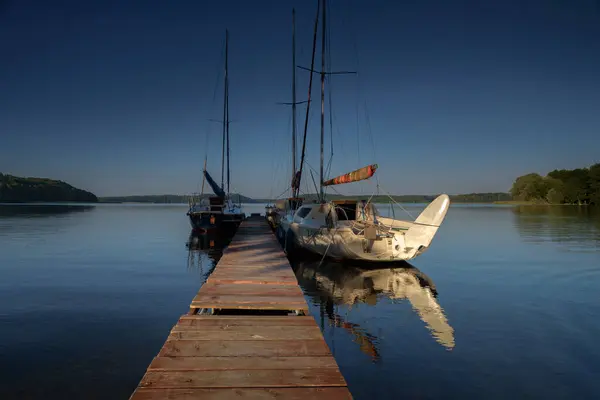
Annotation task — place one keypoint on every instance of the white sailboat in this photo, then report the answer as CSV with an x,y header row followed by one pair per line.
x,y
354,229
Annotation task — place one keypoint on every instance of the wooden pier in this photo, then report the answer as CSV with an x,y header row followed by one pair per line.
x,y
246,335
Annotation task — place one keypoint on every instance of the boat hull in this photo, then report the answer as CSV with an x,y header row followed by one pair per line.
x,y
344,245
360,236
204,221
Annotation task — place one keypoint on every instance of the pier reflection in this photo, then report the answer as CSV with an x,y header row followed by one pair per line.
x,y
332,284
205,250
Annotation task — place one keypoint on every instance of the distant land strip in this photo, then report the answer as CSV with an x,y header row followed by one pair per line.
x,y
183,199
580,186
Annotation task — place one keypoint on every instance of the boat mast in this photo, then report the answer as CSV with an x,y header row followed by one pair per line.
x,y
224,114
312,65
321,196
203,177
294,92
227,116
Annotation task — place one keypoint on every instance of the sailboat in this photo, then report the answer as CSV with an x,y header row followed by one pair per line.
x,y
354,229
218,211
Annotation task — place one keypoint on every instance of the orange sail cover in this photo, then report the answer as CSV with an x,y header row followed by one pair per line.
x,y
354,176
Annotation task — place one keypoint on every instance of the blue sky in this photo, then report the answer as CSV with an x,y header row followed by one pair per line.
x,y
451,96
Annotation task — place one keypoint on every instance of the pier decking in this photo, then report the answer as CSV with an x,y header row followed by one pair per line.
x,y
246,356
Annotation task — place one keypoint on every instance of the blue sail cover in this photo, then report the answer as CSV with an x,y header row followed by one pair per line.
x,y
218,191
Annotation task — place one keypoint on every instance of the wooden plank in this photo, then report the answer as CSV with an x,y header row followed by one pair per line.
x,y
256,251
253,273
248,298
251,263
204,321
244,348
252,270
210,288
243,378
243,363
257,278
249,333
252,280
333,393
289,307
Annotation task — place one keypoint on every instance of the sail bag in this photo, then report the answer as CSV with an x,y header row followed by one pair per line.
x,y
354,176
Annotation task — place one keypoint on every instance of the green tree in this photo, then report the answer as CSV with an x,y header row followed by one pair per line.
x,y
530,187
555,190
576,184
594,182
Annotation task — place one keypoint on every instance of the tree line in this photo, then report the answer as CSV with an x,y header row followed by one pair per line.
x,y
15,189
490,197
561,186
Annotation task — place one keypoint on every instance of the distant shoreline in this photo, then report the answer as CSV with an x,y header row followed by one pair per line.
x,y
533,203
475,198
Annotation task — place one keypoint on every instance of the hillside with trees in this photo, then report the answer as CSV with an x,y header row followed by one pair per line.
x,y
14,189
564,186
414,198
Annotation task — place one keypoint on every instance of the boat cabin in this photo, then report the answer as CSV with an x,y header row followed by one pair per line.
x,y
216,204
354,210
344,210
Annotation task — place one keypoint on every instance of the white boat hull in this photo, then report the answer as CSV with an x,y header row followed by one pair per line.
x,y
377,240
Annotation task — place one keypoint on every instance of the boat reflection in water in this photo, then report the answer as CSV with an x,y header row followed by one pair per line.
x,y
334,283
205,250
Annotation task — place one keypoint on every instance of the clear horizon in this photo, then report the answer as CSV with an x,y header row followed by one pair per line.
x,y
462,98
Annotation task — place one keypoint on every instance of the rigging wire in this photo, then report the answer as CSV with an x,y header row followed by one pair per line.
x,y
277,162
395,202
312,65
208,124
360,87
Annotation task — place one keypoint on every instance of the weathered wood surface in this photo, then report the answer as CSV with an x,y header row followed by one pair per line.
x,y
329,393
246,356
244,363
253,273
236,320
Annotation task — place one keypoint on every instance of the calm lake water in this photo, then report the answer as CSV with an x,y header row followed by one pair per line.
x,y
505,304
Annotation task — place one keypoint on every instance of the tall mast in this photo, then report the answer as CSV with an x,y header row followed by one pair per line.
x,y
321,197
310,80
294,91
227,113
224,114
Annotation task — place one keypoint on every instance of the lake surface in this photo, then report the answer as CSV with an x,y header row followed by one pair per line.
x,y
505,304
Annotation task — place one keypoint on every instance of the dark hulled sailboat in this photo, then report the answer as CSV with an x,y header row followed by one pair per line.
x,y
218,211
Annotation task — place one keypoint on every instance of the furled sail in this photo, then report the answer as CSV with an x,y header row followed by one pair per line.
x,y
216,188
354,176
296,180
